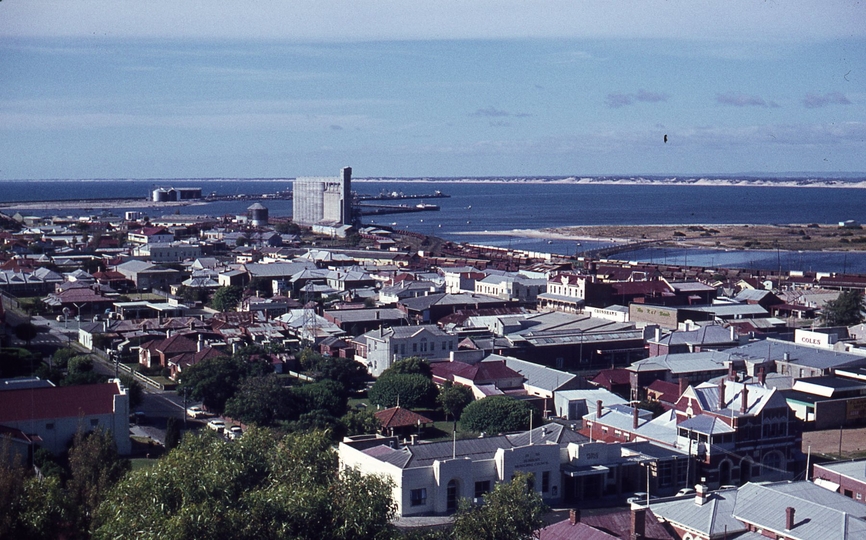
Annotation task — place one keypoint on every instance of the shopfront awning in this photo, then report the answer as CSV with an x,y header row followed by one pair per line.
x,y
589,470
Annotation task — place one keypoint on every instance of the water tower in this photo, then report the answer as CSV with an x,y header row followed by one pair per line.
x,y
258,215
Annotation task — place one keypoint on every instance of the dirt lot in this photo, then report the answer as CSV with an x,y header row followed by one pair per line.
x,y
827,442
807,237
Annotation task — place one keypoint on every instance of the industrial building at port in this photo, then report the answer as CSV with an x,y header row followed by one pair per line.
x,y
323,200
175,194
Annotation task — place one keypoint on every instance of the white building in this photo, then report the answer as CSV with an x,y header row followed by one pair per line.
x,y
378,349
55,414
323,200
431,478
512,287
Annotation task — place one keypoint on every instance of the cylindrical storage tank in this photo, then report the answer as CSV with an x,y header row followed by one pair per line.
x,y
258,215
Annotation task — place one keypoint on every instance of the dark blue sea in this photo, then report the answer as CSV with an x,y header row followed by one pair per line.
x,y
476,207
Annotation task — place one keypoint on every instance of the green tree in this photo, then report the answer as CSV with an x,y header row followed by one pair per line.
x,y
227,298
326,395
512,511
351,374
95,467
62,356
80,371
845,310
409,366
453,398
258,487
410,390
133,389
497,414
31,508
26,332
17,362
172,433
214,380
262,400
360,422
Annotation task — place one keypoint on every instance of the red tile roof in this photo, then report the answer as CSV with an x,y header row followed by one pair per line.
x,y
607,526
57,402
610,377
398,417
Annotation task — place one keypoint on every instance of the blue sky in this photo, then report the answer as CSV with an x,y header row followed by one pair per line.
x,y
116,89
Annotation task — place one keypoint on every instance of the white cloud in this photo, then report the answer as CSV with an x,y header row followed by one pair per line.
x,y
356,20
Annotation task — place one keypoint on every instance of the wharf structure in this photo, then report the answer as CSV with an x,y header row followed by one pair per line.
x,y
323,200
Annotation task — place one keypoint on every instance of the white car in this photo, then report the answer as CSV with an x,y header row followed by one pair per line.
x,y
234,432
216,425
196,412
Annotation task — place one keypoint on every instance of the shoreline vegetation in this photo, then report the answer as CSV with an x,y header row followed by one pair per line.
x,y
791,237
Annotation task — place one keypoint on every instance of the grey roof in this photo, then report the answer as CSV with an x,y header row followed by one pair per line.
x,y
276,269
442,299
712,333
704,423
684,362
356,315
852,469
753,295
730,310
758,398
423,455
774,349
403,332
713,518
534,374
818,512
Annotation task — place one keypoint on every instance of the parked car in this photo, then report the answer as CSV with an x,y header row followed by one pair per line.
x,y
234,432
196,412
216,425
639,497
686,491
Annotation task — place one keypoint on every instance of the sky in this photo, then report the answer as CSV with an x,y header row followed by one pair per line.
x,y
396,88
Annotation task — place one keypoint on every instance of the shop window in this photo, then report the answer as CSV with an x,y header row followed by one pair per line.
x,y
545,481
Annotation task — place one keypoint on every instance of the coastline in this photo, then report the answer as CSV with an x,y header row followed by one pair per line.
x,y
741,237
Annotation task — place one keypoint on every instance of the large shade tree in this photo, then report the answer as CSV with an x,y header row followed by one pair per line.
x,y
845,310
512,510
258,487
497,414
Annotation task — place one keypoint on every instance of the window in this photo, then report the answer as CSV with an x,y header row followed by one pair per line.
x,y
414,347
403,348
49,425
418,497
545,481
94,422
481,488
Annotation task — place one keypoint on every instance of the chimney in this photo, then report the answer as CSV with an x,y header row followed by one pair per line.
x,y
789,518
731,375
574,516
786,356
733,333
598,409
634,418
658,333
198,346
722,395
744,405
683,383
638,523
762,377
701,493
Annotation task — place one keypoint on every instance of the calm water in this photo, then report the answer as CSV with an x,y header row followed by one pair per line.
x,y
477,207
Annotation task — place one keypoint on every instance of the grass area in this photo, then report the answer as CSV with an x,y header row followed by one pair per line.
x,y
444,430
359,403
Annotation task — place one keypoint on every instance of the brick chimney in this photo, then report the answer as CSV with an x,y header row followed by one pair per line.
x,y
683,383
762,376
722,395
701,493
731,374
789,518
744,405
598,409
634,418
574,516
638,523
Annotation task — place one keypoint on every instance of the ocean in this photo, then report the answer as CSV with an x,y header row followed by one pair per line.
x,y
476,207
